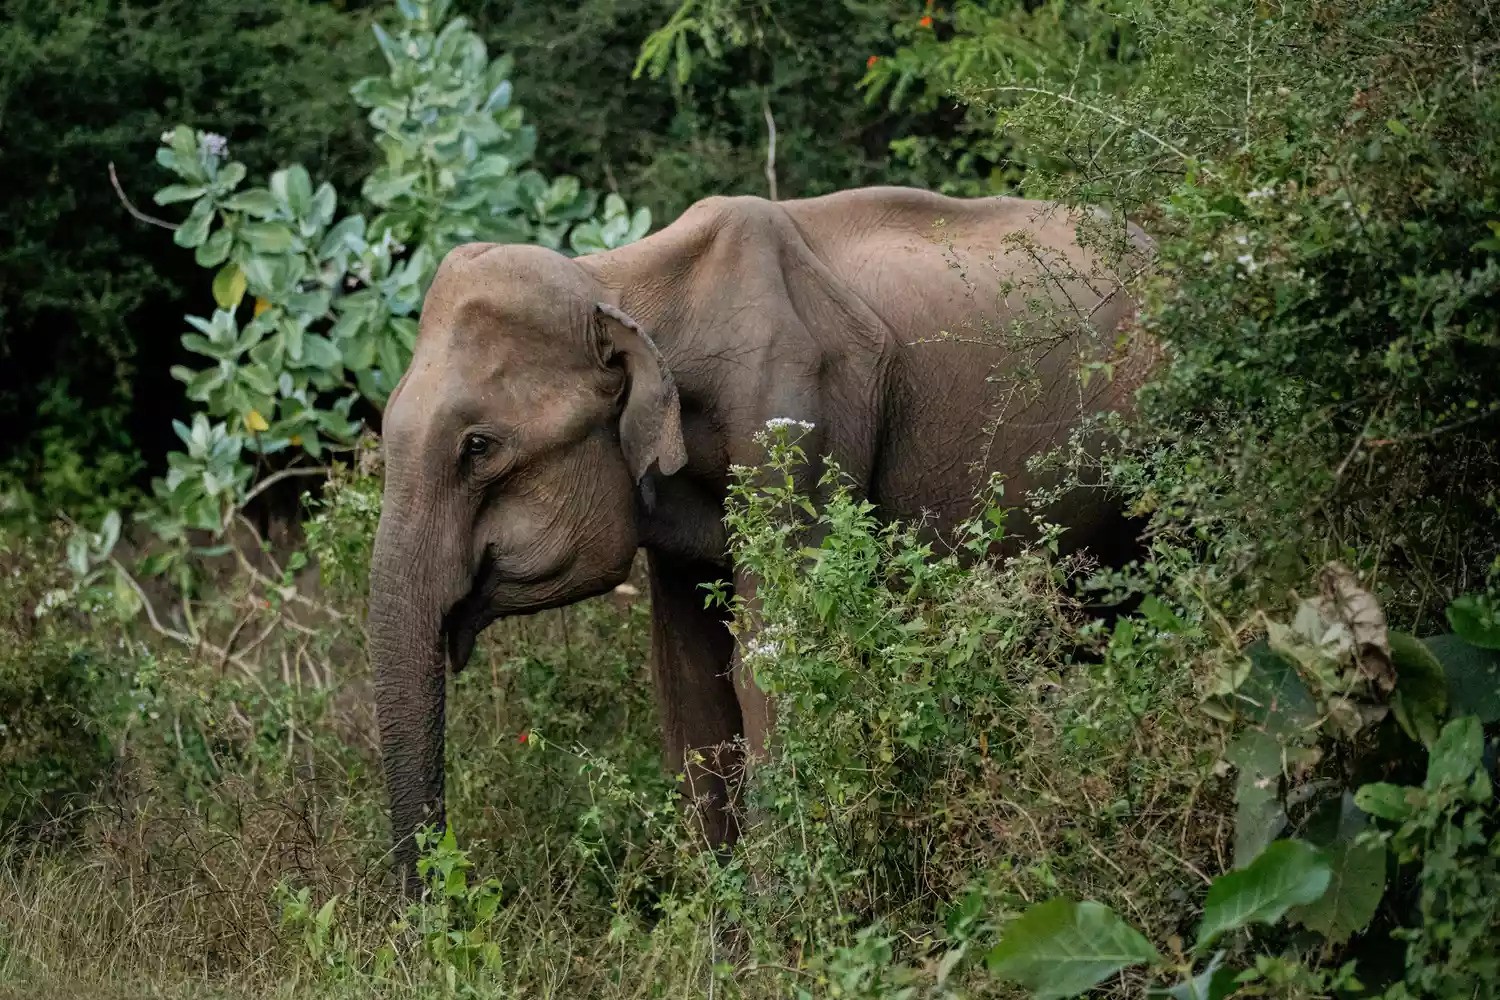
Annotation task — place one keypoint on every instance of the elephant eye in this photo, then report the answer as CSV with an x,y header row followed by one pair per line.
x,y
476,445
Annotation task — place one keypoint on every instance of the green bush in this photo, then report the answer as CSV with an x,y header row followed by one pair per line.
x,y
334,309
51,750
1326,284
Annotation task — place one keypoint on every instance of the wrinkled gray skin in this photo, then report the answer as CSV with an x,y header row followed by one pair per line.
x,y
561,414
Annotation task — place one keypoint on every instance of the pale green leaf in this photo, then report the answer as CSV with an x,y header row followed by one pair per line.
x,y
1061,948
1287,873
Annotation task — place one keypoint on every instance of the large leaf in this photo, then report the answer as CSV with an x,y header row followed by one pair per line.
x,y
1061,948
1288,873
1356,882
1273,695
1258,817
1421,697
1475,622
1473,676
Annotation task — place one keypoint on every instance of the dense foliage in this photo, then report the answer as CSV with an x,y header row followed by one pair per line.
x,y
1272,777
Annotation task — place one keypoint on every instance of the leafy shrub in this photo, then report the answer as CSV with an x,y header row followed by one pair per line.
x,y
51,752
334,308
1326,280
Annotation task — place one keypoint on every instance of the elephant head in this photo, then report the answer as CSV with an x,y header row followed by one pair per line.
x,y
515,446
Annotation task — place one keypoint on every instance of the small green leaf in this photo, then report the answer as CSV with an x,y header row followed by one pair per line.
x,y
229,286
1385,801
174,193
1287,873
215,249
268,238
1456,755
194,229
257,202
1060,948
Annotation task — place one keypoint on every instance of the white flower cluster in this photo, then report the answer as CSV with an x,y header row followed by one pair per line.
x,y
51,599
1269,191
776,423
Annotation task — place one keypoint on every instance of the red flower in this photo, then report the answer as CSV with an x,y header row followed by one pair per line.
x,y
524,735
870,62
926,21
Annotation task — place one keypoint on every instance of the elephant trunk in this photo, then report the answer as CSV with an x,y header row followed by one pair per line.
x,y
408,658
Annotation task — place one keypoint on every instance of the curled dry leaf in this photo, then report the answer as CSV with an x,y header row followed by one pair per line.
x,y
1343,601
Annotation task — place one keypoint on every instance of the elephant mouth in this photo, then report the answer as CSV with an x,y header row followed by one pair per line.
x,y
477,609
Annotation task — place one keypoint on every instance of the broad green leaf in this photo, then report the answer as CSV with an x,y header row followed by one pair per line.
x,y
1386,801
1060,948
257,202
1215,982
1473,676
1273,695
268,237
173,193
1287,873
194,229
1356,882
1456,755
215,249
1421,697
1474,622
230,174
229,286
1259,816
293,188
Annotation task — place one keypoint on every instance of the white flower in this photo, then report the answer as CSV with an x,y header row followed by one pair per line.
x,y
1249,263
1242,239
762,648
166,138
1269,191
51,599
1208,256
776,423
214,144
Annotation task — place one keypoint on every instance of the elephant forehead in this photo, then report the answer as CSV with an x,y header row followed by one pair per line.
x,y
507,391
506,293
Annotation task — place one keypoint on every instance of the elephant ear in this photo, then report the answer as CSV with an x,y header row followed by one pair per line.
x,y
651,419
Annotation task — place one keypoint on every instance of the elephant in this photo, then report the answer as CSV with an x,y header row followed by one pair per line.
x,y
560,414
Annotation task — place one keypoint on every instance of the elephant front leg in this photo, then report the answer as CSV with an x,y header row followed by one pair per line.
x,y
691,650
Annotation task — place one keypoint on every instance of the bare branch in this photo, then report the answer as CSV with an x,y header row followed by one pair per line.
x,y
136,213
276,477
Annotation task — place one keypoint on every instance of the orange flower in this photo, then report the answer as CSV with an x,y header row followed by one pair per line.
x,y
870,62
926,21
